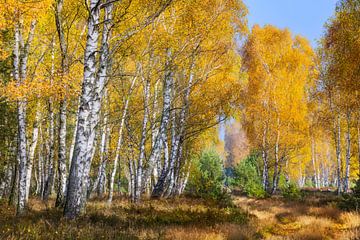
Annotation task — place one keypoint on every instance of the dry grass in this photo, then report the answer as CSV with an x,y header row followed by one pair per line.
x,y
315,218
175,219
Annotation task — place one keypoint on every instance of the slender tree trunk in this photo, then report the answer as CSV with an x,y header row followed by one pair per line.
x,y
155,130
265,174
39,167
99,185
131,180
277,161
176,147
314,162
348,153
301,174
51,172
138,187
337,136
72,146
184,182
60,198
119,143
40,164
33,144
161,141
50,168
21,53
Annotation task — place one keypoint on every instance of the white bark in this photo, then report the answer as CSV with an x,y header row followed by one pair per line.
x,y
277,160
51,172
177,139
90,105
21,53
265,176
60,198
138,187
119,142
337,136
33,144
49,179
348,154
99,185
314,162
163,132
72,146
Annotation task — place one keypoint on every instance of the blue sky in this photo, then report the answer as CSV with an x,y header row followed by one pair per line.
x,y
304,17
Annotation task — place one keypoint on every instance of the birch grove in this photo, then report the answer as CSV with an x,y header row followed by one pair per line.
x,y
120,109
117,99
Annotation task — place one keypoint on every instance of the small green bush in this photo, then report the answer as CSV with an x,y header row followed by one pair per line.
x,y
351,201
291,191
247,177
207,177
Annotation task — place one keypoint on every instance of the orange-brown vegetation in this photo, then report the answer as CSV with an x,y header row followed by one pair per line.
x,y
316,217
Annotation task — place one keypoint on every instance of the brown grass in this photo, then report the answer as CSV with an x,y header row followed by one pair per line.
x,y
175,219
316,217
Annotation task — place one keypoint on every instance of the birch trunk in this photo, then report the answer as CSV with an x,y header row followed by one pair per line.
x,y
50,179
138,187
39,167
119,143
72,146
51,142
155,130
337,136
265,175
21,53
90,105
277,162
348,153
33,144
163,133
99,185
184,182
131,180
314,164
176,149
60,198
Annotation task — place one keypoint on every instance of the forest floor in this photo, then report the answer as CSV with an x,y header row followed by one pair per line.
x,y
180,218
315,217
275,218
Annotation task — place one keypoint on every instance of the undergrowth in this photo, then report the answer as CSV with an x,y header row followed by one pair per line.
x,y
122,220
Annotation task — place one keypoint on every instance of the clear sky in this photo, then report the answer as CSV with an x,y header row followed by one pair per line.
x,y
304,17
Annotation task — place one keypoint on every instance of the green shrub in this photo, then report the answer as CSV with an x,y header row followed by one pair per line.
x,y
207,176
291,191
351,201
247,177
